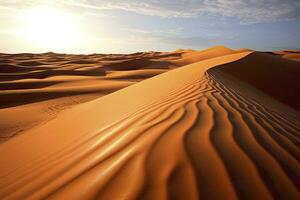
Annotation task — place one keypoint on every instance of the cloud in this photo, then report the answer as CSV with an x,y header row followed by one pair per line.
x,y
174,37
197,42
253,11
175,31
246,11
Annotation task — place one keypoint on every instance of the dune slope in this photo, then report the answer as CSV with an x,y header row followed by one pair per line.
x,y
273,75
37,87
190,133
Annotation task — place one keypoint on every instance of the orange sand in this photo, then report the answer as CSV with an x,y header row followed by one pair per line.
x,y
213,124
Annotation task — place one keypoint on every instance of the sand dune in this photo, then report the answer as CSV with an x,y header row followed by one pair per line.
x,y
289,54
292,56
273,75
49,83
195,56
54,82
223,125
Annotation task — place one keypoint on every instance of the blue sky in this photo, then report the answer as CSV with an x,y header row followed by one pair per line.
x,y
123,26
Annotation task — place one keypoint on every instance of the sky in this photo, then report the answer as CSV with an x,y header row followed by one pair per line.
x,y
125,26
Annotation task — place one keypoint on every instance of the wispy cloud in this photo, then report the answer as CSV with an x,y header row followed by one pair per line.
x,y
175,37
246,11
175,31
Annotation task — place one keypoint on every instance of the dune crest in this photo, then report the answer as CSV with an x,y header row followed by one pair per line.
x,y
43,85
206,130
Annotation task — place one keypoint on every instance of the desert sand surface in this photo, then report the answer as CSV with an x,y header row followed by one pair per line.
x,y
212,124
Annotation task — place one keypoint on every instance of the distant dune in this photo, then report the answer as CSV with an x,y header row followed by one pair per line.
x,y
212,124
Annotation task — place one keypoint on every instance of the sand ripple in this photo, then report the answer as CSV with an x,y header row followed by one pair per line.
x,y
207,135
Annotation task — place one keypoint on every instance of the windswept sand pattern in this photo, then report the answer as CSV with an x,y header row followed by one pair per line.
x,y
43,85
206,135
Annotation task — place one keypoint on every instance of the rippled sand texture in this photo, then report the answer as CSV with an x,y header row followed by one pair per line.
x,y
210,129
36,87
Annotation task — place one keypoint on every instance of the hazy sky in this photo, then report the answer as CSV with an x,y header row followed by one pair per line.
x,y
121,26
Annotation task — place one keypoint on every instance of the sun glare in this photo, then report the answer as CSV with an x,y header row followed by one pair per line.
x,y
50,29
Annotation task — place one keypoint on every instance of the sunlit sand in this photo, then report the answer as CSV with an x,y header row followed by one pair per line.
x,y
213,124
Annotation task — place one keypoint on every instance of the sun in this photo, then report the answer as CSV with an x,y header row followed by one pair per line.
x,y
50,28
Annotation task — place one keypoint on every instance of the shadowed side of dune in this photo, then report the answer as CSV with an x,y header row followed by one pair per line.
x,y
276,76
26,85
40,74
137,63
16,97
187,134
43,81
51,82
293,56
